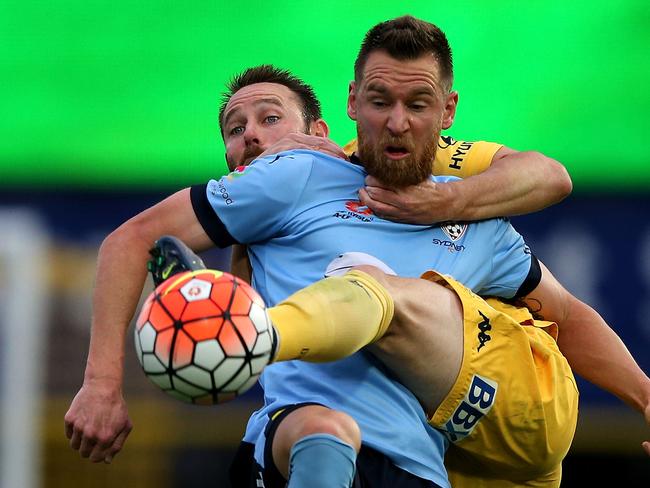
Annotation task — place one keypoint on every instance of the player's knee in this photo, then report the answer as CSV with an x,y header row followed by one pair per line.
x,y
391,283
373,271
332,422
310,420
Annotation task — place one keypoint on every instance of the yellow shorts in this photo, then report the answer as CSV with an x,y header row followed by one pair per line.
x,y
511,415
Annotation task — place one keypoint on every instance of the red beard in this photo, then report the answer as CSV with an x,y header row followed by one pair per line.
x,y
407,171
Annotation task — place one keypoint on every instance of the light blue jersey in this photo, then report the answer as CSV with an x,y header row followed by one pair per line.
x,y
297,211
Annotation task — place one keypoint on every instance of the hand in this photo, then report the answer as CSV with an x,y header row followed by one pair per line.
x,y
97,422
425,203
298,140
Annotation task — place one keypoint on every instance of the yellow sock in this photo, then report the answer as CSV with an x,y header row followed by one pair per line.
x,y
332,319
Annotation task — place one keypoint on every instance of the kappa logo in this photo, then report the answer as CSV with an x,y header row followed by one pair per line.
x,y
453,230
445,141
278,157
483,327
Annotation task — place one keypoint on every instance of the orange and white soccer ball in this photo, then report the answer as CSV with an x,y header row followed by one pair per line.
x,y
204,336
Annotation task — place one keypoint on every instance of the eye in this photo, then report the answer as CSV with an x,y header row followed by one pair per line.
x,y
272,119
237,130
378,103
418,107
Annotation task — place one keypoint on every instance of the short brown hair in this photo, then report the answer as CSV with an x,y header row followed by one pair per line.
x,y
407,38
267,73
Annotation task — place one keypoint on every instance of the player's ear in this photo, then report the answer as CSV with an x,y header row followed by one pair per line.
x,y
450,109
352,101
319,128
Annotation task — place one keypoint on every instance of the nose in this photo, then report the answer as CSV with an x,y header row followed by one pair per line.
x,y
398,120
252,135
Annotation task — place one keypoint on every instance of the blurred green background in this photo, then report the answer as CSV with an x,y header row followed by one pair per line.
x,y
106,93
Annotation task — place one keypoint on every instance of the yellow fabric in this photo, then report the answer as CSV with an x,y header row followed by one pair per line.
x,y
332,318
523,316
526,424
455,158
461,477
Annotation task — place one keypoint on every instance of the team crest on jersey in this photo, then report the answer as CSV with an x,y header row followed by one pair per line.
x,y
453,230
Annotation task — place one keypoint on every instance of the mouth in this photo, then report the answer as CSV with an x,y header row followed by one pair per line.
x,y
396,152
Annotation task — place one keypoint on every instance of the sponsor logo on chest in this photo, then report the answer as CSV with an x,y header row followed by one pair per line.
x,y
355,210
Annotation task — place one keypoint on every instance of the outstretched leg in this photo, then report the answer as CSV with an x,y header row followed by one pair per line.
x,y
332,318
421,342
423,346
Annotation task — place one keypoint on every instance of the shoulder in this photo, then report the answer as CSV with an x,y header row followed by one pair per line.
x,y
302,157
463,158
295,156
448,147
280,165
496,231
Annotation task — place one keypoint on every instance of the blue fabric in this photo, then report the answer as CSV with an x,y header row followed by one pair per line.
x,y
297,211
321,461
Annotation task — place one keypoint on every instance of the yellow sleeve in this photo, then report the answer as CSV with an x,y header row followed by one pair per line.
x,y
463,158
350,147
455,158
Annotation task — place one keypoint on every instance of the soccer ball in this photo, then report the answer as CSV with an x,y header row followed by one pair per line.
x,y
203,336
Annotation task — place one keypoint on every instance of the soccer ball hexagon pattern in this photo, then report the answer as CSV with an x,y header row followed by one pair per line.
x,y
203,336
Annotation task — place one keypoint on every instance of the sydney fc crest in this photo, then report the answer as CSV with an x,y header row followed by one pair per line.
x,y
453,230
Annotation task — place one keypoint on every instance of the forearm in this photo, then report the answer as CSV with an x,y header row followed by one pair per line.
x,y
121,273
240,265
597,354
517,183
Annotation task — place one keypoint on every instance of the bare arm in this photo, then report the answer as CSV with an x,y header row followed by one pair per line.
x,y
515,183
97,422
240,265
594,351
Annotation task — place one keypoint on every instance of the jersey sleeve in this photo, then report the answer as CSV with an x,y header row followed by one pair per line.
x,y
350,147
453,157
463,158
254,202
514,269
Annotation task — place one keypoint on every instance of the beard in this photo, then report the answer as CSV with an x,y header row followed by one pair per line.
x,y
251,153
410,170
